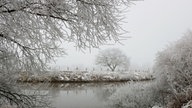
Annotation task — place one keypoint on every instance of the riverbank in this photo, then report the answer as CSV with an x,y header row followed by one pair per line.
x,y
84,77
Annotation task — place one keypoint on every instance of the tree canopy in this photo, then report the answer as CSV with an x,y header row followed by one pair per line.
x,y
32,31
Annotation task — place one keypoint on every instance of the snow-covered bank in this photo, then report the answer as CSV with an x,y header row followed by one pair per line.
x,y
85,76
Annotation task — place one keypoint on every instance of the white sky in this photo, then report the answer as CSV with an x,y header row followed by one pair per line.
x,y
153,24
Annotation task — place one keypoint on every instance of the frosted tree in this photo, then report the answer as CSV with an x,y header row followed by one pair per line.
x,y
112,58
174,65
176,62
32,31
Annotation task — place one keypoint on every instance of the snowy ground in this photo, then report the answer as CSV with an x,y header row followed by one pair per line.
x,y
85,76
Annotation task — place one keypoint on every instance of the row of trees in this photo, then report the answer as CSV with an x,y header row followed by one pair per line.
x,y
32,31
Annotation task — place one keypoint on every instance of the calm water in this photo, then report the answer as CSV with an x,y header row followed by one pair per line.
x,y
101,95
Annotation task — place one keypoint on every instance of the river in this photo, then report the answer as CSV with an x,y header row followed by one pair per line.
x,y
101,95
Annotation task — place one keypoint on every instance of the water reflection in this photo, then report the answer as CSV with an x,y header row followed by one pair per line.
x,y
87,95
101,95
